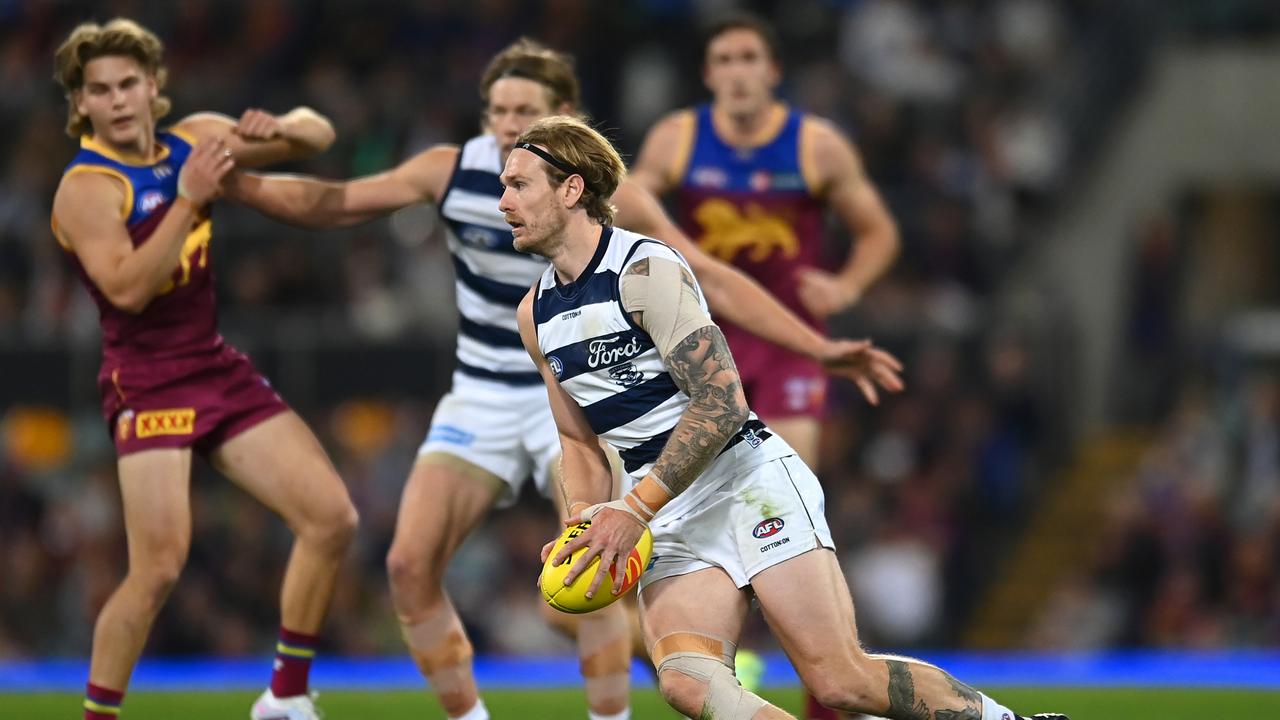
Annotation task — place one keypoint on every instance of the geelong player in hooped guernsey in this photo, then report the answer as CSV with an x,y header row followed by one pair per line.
x,y
132,212
492,432
734,514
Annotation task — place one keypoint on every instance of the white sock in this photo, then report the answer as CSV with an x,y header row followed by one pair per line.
x,y
992,710
624,715
479,712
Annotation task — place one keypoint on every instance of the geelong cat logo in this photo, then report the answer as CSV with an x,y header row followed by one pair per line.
x,y
768,527
626,375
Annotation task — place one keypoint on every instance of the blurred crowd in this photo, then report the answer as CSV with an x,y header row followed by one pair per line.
x,y
970,116
1188,553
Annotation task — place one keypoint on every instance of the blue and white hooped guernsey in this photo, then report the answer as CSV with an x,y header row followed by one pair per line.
x,y
610,367
492,277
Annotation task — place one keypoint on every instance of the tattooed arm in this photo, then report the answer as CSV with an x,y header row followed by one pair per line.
x,y
702,367
663,299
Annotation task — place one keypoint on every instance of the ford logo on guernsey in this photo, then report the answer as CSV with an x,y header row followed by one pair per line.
x,y
768,527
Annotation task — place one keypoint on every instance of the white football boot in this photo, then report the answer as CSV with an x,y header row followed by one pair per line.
x,y
298,707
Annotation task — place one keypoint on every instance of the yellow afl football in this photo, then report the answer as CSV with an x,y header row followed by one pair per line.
x,y
573,598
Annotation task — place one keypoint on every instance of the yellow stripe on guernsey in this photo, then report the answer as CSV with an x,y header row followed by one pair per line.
x,y
98,707
809,159
125,208
684,150
294,651
191,139
88,143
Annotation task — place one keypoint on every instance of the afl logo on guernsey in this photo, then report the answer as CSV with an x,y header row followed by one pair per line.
x,y
150,200
768,527
711,177
557,367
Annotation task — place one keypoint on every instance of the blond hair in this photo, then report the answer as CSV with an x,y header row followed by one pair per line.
x,y
576,145
531,60
91,40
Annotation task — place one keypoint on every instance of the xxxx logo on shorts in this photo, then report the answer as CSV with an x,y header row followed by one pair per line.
x,y
178,421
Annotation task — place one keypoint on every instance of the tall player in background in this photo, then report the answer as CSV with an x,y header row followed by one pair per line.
x,y
494,429
752,179
132,210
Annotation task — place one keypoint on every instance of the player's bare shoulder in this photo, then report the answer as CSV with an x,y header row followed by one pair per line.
x,y
827,154
665,151
86,200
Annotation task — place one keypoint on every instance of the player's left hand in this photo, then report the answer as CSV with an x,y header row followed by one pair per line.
x,y
612,536
823,293
865,364
259,125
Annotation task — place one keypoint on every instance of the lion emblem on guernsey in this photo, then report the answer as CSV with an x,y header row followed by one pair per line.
x,y
727,232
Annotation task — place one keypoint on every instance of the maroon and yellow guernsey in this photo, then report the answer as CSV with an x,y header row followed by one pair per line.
x,y
167,378
182,320
753,207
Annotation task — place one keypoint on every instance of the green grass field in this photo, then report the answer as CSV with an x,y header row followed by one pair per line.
x,y
1082,704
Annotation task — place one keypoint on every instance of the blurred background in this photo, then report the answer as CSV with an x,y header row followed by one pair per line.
x,y
1088,304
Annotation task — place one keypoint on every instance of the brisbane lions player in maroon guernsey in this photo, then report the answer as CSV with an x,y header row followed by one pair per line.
x,y
132,211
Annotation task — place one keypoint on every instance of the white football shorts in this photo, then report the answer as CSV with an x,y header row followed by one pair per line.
x,y
504,429
759,518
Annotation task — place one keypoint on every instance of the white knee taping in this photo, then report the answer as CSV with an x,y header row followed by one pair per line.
x,y
726,698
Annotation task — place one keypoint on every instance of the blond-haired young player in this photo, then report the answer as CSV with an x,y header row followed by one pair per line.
x,y
734,513
132,211
493,429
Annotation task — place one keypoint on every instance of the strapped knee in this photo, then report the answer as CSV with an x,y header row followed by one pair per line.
x,y
439,641
709,661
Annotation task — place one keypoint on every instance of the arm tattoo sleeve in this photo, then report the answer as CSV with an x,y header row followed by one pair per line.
x,y
702,367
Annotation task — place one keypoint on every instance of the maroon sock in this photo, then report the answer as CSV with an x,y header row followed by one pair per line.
x,y
294,652
101,703
815,710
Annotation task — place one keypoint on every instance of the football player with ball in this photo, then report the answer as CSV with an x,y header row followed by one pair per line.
x,y
729,508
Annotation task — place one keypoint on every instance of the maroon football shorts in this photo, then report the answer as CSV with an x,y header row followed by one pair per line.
x,y
198,402
779,384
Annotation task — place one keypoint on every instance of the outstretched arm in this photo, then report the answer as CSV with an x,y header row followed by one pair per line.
x,y
731,294
259,138
317,203
742,301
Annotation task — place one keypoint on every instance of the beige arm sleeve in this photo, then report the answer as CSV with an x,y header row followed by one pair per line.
x,y
669,307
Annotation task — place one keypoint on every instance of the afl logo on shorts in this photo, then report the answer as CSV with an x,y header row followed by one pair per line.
x,y
557,367
767,528
150,200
